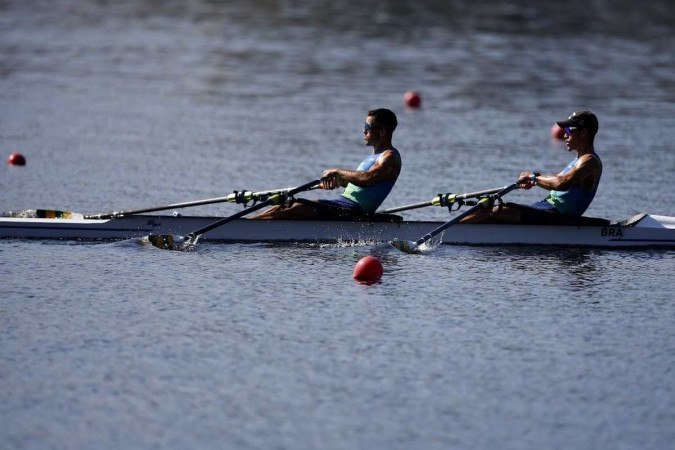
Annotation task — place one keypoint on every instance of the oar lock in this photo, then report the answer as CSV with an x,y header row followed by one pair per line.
x,y
245,197
449,200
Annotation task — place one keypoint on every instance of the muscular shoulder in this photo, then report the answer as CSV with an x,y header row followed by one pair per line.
x,y
588,171
389,164
391,156
590,162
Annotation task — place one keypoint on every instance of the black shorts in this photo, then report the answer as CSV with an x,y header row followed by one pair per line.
x,y
342,203
543,205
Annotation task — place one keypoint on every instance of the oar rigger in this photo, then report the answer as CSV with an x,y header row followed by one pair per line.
x,y
236,197
450,200
173,242
444,200
484,202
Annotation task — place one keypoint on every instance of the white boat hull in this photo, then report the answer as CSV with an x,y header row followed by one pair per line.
x,y
649,231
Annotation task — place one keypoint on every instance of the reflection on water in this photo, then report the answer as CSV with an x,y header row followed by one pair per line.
x,y
578,267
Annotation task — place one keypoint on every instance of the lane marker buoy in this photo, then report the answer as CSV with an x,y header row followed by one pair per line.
x,y
412,99
16,159
369,268
557,132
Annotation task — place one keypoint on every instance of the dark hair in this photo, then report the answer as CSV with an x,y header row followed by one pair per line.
x,y
383,118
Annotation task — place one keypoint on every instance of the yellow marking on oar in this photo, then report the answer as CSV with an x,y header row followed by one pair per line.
x,y
276,199
444,200
484,202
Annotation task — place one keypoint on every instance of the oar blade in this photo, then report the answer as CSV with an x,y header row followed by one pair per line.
x,y
171,242
405,246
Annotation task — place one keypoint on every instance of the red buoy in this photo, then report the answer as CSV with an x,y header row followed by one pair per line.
x,y
557,132
412,99
16,159
369,268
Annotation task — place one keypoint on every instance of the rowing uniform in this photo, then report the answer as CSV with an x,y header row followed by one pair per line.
x,y
363,199
572,202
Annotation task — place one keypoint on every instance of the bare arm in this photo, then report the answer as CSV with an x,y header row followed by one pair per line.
x,y
585,175
386,168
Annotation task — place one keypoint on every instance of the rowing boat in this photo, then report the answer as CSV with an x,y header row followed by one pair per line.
x,y
642,230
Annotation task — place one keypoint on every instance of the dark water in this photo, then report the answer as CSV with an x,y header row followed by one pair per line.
x,y
130,104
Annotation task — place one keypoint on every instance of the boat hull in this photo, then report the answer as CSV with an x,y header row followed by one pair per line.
x,y
649,231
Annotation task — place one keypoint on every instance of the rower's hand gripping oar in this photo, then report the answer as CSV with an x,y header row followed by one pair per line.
x,y
485,202
244,197
442,200
173,242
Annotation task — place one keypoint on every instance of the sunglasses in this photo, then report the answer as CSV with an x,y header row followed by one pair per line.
x,y
570,130
368,127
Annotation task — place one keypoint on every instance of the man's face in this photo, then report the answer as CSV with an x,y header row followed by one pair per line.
x,y
573,136
371,133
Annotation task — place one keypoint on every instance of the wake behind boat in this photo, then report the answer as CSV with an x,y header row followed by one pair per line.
x,y
642,230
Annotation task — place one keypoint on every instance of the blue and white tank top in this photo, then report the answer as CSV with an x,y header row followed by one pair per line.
x,y
576,200
369,198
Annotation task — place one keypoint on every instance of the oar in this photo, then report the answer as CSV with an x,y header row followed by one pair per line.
x,y
173,242
442,200
235,197
485,202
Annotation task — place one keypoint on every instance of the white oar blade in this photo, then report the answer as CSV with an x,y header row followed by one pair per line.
x,y
405,246
170,242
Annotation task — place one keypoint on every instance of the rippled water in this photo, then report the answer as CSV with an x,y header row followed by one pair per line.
x,y
131,104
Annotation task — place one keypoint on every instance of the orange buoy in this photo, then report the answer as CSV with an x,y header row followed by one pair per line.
x,y
412,99
16,159
369,268
557,132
